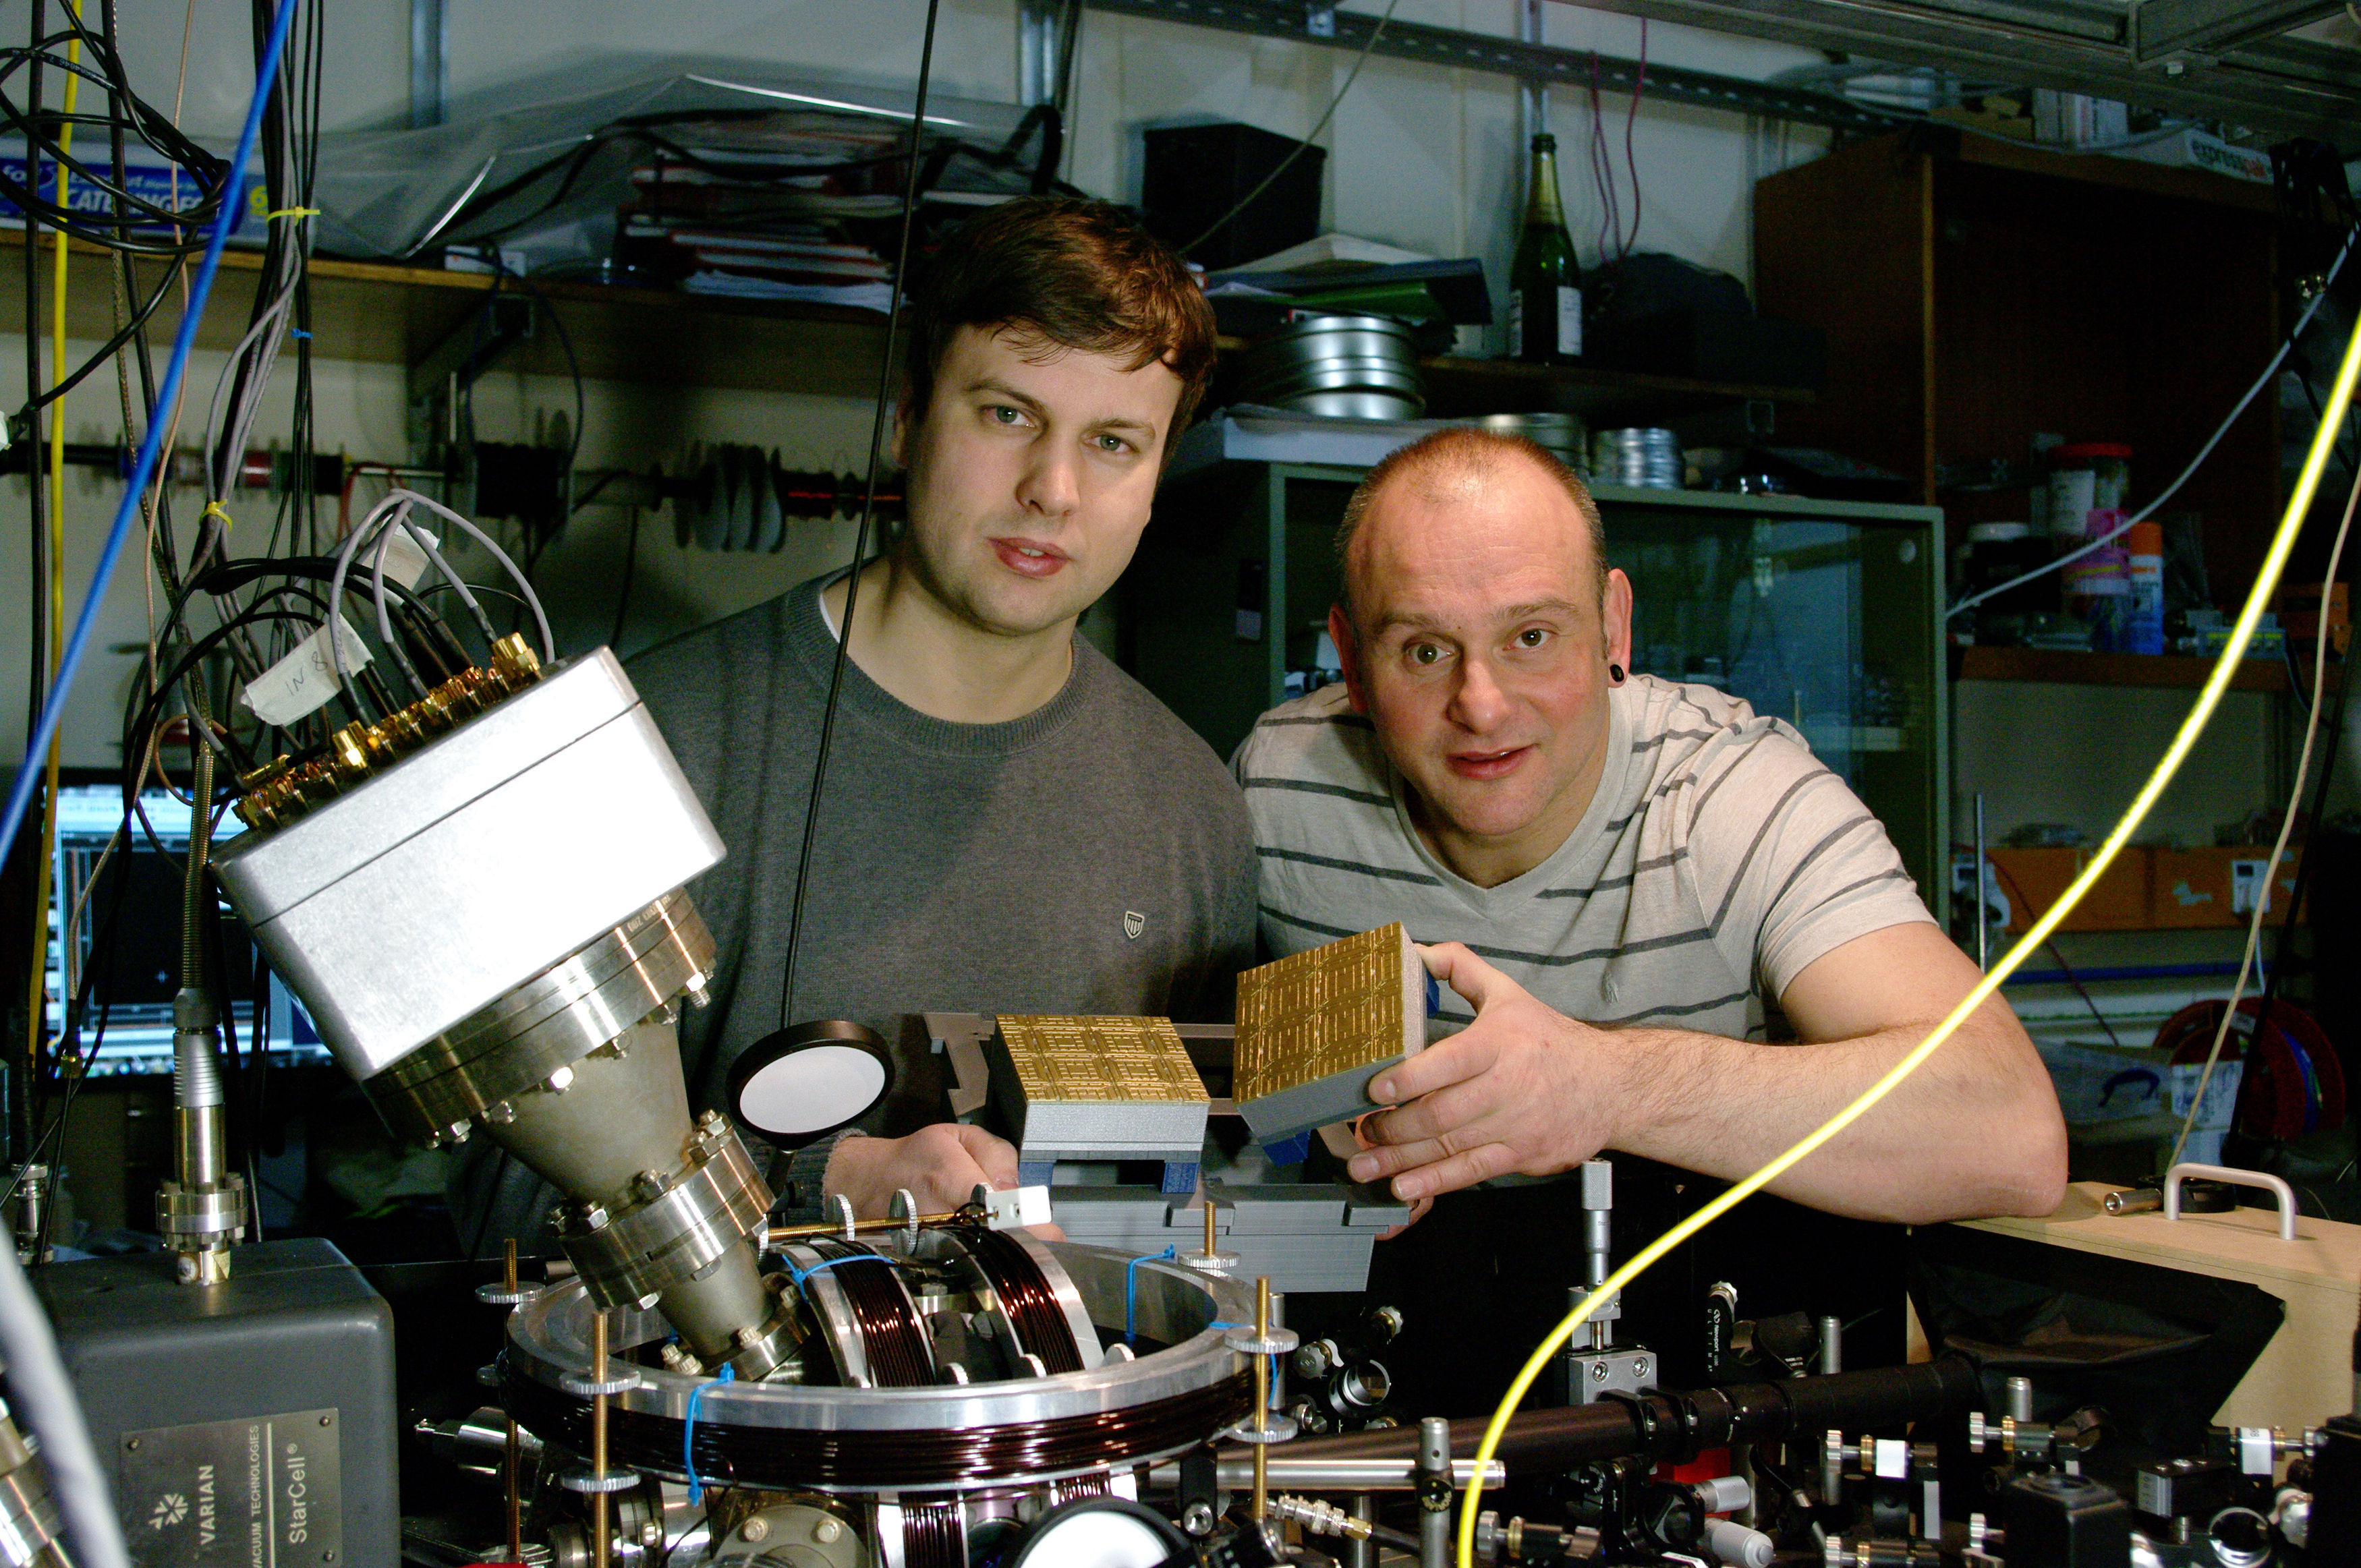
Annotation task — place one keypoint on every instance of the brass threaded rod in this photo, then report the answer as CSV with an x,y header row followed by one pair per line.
x,y
1262,1392
509,1472
599,1557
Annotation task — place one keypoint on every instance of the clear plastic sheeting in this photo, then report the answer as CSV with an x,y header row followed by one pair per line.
x,y
547,175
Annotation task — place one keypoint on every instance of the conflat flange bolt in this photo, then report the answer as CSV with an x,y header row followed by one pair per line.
x,y
755,1528
826,1532
649,1185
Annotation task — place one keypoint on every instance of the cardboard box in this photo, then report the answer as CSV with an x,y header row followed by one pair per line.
x,y
2194,889
2033,879
2145,890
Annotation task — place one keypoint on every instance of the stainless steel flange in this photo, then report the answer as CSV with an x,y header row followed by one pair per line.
x,y
549,1023
681,1224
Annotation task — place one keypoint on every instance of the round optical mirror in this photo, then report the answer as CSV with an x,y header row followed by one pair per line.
x,y
808,1079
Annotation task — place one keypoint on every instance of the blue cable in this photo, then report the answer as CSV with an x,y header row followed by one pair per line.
x,y
20,790
688,1432
800,1275
1131,1289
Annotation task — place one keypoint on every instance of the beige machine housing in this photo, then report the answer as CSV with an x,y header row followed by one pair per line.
x,y
2303,1376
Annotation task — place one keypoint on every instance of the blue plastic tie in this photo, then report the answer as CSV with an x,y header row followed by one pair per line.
x,y
800,1275
688,1432
1131,1289
297,332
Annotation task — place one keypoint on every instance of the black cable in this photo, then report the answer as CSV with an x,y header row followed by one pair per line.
x,y
2071,978
126,212
631,564
861,532
2285,935
136,327
2286,932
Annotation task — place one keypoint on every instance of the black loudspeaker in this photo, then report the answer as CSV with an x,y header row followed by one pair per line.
x,y
1196,173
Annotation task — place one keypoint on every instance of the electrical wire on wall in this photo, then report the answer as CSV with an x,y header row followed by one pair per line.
x,y
217,621
860,544
1360,59
2200,716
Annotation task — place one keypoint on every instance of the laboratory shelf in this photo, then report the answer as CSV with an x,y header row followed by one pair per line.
x,y
2063,667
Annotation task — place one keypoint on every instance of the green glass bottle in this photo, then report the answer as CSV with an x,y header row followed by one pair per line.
x,y
1544,284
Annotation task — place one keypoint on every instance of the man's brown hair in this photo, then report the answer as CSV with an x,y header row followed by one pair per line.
x,y
1073,274
1455,454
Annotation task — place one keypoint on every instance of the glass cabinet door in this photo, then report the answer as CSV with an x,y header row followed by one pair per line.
x,y
1824,615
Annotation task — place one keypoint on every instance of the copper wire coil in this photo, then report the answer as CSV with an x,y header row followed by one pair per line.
x,y
891,1334
933,1535
784,1458
1031,1305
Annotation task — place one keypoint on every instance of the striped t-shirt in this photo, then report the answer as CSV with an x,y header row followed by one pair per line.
x,y
1717,860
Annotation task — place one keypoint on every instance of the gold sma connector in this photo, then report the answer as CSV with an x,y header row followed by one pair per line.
x,y
282,791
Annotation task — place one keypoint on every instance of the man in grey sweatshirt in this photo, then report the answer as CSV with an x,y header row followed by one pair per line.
x,y
1009,823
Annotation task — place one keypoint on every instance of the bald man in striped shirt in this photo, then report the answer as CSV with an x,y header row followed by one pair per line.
x,y
1621,879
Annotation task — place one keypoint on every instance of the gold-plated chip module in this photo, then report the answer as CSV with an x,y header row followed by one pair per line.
x,y
1315,1026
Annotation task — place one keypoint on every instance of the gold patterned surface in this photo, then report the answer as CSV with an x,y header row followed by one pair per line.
x,y
1094,1059
1312,1015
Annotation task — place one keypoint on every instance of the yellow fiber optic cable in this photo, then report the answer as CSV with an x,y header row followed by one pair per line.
x,y
33,1036
2266,579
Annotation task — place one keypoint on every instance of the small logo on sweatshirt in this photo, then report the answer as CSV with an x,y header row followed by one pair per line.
x,y
1134,923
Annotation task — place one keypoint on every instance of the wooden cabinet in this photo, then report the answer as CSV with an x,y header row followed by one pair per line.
x,y
1976,292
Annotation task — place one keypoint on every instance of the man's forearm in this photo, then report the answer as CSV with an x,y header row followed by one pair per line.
x,y
1971,1132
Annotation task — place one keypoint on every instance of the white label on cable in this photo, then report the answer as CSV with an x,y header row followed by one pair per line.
x,y
306,678
406,563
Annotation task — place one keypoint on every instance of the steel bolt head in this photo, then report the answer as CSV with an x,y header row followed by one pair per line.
x,y
1197,1519
826,1532
755,1528
649,1185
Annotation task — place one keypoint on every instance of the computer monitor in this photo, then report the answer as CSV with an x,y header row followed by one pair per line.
x,y
143,939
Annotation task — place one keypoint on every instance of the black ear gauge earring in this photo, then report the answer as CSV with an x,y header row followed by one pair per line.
x,y
1615,674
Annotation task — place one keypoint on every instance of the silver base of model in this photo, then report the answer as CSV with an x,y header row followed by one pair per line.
x,y
918,1411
